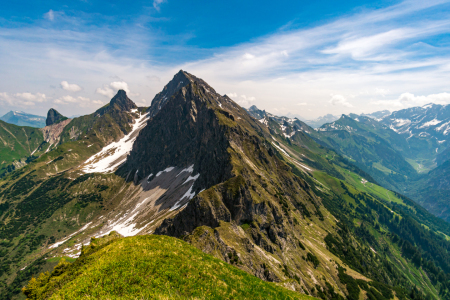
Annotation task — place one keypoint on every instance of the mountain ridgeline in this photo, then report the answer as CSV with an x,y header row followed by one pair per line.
x,y
21,118
208,200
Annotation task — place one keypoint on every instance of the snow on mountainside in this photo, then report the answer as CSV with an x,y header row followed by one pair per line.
x,y
115,154
378,115
431,120
283,125
159,195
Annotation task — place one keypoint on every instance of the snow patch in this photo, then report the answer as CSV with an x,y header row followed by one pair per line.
x,y
165,170
190,169
279,148
430,123
115,154
125,225
55,245
191,178
189,194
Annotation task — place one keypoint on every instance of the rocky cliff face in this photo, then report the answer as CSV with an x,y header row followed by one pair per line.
x,y
54,117
119,102
53,132
181,79
185,132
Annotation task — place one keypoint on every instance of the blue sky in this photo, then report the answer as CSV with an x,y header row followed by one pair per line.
x,y
305,58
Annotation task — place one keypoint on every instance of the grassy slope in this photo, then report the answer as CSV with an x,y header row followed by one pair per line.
x,y
17,142
357,186
29,196
151,267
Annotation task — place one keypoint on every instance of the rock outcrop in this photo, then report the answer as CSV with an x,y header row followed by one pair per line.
x,y
54,117
53,132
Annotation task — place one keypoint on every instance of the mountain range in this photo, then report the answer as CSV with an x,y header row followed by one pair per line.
x,y
21,118
197,197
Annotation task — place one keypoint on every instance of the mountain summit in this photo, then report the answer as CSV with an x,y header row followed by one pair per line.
x,y
121,101
181,79
54,117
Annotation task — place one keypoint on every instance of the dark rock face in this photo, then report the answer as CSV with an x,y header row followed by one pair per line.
x,y
185,132
120,102
181,79
54,117
109,123
242,179
256,112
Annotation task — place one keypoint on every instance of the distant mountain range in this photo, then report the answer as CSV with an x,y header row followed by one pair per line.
x,y
21,118
316,123
197,197
405,151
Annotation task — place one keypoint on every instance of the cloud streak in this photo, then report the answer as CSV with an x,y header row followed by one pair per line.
x,y
365,60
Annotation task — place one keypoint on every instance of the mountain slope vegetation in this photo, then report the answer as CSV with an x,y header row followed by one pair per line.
x,y
16,144
264,195
178,271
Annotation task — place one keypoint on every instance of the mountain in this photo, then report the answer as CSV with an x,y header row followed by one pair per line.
x,y
282,125
23,119
316,123
16,145
398,161
261,195
189,273
426,128
377,115
54,117
374,147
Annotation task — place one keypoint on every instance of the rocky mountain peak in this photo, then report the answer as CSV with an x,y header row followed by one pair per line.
x,y
54,117
122,101
179,80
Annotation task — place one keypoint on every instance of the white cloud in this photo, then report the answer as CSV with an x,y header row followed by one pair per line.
x,y
357,52
157,4
5,98
71,87
111,89
232,95
105,91
248,56
50,15
22,99
79,101
366,46
141,103
387,104
120,85
410,100
244,100
339,100
302,103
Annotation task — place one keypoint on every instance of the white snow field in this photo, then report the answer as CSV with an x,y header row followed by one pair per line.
x,y
115,154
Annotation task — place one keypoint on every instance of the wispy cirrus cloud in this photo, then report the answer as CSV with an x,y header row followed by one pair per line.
x,y
395,50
